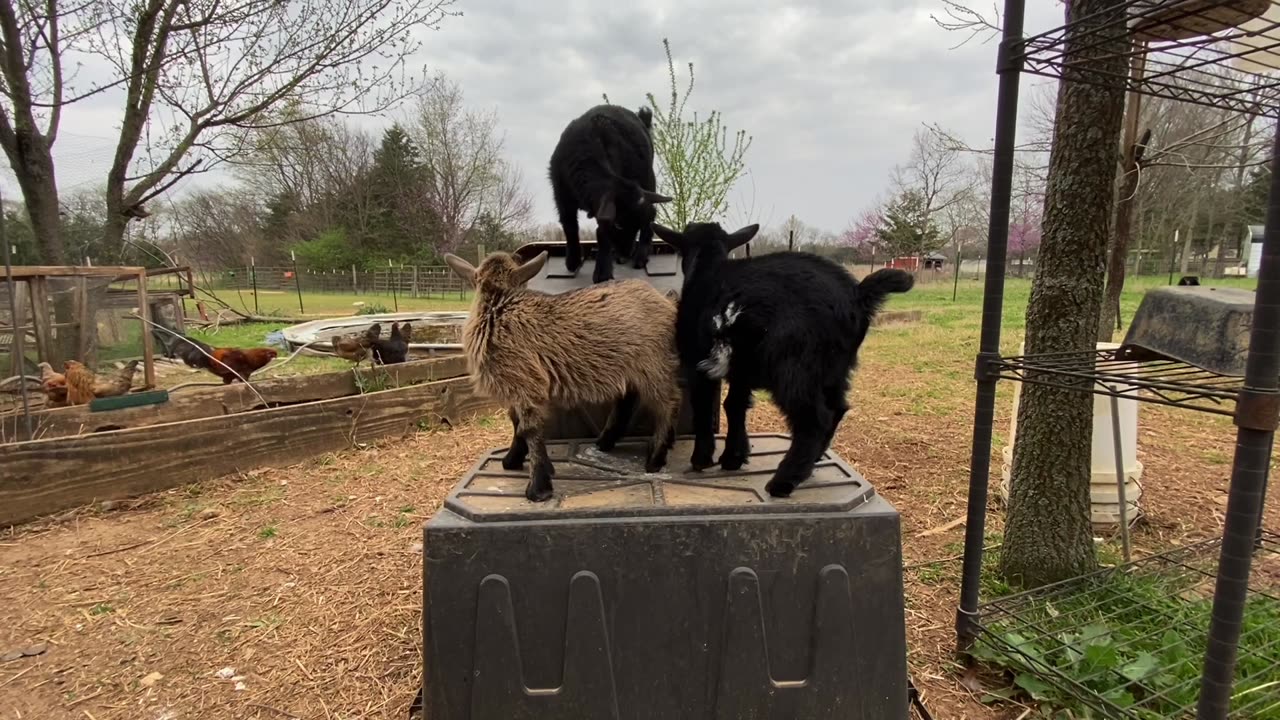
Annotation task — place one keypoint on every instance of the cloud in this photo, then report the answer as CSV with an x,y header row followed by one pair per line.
x,y
830,91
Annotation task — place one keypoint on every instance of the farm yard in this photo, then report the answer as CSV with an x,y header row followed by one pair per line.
x,y
297,592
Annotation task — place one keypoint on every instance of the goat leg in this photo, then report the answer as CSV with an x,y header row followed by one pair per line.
x,y
532,423
619,421
737,444
573,247
640,255
665,412
704,396
519,450
604,254
808,430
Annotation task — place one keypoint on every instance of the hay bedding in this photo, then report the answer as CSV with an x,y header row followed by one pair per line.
x,y
296,593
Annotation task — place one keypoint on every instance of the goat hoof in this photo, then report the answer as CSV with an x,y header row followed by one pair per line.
x,y
732,461
701,463
603,273
606,444
512,463
780,488
537,494
653,465
640,262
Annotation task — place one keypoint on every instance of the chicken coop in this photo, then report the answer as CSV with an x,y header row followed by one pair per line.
x,y
100,316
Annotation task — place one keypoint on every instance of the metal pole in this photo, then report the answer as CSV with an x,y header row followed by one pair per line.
x,y
1256,410
955,286
392,278
1120,476
253,278
297,281
19,330
1008,67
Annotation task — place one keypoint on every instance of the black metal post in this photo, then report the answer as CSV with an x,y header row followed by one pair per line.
x,y
1256,411
253,278
297,281
393,278
1008,67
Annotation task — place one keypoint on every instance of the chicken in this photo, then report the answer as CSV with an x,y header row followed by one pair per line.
x,y
80,380
54,385
232,364
117,384
356,349
394,349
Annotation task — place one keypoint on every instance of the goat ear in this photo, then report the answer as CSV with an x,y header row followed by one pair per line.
x,y
672,238
525,272
462,268
741,237
606,212
654,198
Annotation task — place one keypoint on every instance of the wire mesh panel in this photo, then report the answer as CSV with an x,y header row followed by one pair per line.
x,y
1218,53
1128,642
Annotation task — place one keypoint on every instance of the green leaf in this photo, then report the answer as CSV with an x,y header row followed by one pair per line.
x,y
1034,686
1098,658
1140,667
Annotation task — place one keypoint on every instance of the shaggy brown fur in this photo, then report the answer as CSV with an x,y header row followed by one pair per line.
x,y
80,381
534,352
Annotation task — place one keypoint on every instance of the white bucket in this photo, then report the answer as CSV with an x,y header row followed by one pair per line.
x,y
1104,495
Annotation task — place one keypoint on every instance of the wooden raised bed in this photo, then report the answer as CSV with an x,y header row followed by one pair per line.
x,y
153,453
199,402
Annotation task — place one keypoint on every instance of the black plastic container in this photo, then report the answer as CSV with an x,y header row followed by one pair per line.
x,y
663,596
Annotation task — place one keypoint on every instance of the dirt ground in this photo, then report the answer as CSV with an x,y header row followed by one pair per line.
x,y
296,593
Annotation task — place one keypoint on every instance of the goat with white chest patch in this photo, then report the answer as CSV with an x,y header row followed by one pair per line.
x,y
790,323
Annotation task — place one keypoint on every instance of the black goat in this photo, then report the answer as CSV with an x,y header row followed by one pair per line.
x,y
790,323
603,164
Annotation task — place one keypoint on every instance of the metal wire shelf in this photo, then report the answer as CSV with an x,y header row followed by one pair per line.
x,y
1228,69
1041,630
1108,372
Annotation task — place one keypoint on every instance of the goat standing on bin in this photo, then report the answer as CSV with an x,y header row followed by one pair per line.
x,y
603,164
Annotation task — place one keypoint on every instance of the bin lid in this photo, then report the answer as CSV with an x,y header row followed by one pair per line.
x,y
593,484
662,270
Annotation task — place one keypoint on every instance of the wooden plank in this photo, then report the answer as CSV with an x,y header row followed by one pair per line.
x,y
148,342
22,291
202,402
39,290
45,476
31,271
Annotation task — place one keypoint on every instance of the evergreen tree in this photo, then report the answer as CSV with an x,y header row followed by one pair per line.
x,y
906,229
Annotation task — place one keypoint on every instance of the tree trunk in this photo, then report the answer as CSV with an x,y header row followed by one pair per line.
x,y
1119,252
40,195
1191,231
1048,536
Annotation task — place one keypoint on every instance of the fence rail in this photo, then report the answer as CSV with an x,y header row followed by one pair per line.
x,y
408,281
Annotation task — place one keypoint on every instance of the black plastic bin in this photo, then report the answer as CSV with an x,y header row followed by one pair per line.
x,y
663,596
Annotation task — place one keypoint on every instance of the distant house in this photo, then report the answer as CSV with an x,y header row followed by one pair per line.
x,y
913,263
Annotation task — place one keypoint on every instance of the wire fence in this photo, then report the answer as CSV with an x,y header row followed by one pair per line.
x,y
415,281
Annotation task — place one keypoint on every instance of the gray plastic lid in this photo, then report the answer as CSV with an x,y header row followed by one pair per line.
x,y
592,484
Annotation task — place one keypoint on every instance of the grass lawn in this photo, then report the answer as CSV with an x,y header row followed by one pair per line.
x,y
307,580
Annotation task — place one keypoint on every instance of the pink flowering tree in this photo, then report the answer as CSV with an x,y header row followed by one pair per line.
x,y
862,234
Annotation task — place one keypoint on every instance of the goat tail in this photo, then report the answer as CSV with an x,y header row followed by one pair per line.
x,y
646,117
876,287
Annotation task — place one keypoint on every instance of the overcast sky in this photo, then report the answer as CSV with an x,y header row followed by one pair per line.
x,y
831,91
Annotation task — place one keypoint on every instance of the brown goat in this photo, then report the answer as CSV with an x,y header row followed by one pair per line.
x,y
535,352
